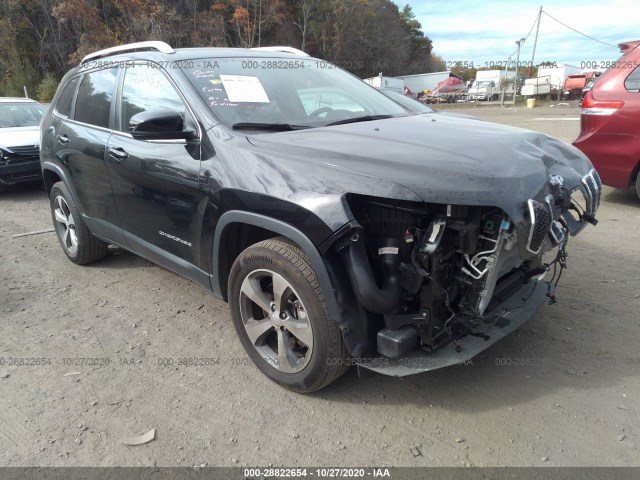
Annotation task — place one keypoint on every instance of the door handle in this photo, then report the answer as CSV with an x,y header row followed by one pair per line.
x,y
118,154
63,139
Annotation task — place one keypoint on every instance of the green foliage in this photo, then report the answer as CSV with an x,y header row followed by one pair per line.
x,y
47,88
365,37
421,60
466,73
13,82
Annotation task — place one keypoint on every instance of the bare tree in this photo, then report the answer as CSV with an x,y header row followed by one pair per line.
x,y
305,10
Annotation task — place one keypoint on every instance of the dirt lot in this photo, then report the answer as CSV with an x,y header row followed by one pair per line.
x,y
561,391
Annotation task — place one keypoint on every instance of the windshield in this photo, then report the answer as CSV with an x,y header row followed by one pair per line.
x,y
298,93
411,104
20,114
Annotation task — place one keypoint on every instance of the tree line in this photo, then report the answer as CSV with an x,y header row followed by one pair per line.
x,y
42,39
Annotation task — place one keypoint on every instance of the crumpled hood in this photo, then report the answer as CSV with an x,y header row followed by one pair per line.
x,y
19,136
441,159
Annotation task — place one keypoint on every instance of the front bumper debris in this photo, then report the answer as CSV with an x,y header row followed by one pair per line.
x,y
503,319
17,172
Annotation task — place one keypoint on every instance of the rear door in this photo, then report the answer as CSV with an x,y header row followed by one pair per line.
x,y
156,182
81,138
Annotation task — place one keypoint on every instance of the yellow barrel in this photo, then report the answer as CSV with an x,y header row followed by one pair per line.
x,y
531,102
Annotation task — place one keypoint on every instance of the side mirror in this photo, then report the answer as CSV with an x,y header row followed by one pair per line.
x,y
159,124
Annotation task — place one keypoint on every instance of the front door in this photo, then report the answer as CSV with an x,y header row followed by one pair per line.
x,y
155,183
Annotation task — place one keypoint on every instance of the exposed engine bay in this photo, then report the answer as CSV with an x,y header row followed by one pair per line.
x,y
435,273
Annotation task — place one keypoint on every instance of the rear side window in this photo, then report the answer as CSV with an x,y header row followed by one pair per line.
x,y
63,107
146,88
632,83
94,97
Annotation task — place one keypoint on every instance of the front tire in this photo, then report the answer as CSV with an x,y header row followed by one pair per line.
x,y
281,317
77,242
638,185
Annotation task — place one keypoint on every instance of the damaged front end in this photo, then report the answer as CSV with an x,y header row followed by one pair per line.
x,y
440,283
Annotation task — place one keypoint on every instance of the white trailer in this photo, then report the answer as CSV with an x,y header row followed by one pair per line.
x,y
536,86
391,83
558,74
424,81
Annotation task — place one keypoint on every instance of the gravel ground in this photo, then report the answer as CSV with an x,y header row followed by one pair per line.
x,y
561,391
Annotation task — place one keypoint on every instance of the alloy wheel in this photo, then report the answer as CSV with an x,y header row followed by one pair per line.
x,y
65,225
276,321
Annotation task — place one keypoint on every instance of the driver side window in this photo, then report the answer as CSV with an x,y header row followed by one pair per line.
x,y
146,88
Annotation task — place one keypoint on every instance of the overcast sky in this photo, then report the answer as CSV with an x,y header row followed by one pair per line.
x,y
486,31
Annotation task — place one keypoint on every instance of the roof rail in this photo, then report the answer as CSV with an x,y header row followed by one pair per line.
x,y
292,50
130,47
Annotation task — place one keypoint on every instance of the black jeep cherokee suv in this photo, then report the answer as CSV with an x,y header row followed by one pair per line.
x,y
341,228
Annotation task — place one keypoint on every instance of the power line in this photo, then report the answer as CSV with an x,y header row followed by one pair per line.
x,y
531,29
583,34
527,36
563,24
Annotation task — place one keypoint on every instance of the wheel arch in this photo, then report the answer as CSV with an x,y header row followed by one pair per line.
x,y
253,227
50,177
53,173
634,173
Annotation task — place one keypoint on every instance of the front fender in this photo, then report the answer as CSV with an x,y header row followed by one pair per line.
x,y
281,228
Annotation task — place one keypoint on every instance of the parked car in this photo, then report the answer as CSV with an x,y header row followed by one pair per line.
x,y
355,233
19,140
610,121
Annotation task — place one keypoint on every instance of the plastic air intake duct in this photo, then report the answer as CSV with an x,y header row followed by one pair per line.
x,y
371,297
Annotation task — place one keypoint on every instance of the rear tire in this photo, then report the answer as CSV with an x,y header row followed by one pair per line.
x,y
77,242
638,185
281,317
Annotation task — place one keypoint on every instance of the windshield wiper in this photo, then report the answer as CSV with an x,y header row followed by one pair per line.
x,y
366,118
274,127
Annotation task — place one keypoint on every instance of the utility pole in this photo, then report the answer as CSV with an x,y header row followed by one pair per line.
x,y
506,75
535,42
515,80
